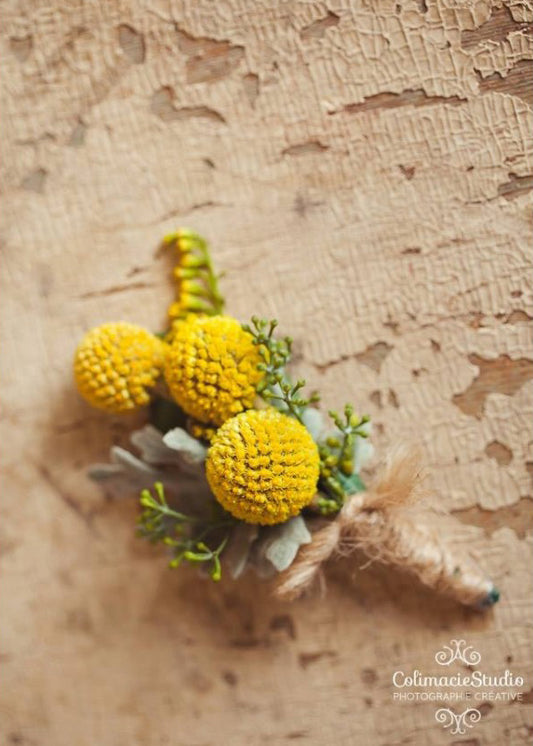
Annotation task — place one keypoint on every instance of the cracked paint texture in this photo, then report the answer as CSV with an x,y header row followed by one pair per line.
x,y
364,172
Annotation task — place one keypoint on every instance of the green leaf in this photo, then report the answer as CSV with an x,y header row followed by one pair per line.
x,y
351,484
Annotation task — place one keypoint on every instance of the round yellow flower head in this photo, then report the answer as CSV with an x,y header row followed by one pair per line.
x,y
263,466
115,364
211,368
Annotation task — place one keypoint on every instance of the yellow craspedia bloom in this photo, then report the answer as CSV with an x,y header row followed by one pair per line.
x,y
201,431
115,365
263,466
211,368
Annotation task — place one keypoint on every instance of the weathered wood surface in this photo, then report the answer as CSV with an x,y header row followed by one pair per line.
x,y
363,170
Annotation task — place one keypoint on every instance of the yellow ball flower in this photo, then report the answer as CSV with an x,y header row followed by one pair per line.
x,y
263,466
201,431
116,364
211,368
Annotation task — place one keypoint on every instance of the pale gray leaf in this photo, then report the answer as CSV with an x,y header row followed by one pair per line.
x,y
188,447
363,450
261,565
288,537
153,450
313,420
131,463
237,552
101,472
279,545
119,481
278,391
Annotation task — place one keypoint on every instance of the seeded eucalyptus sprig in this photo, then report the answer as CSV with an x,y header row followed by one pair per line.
x,y
337,477
289,396
336,459
351,427
276,387
185,535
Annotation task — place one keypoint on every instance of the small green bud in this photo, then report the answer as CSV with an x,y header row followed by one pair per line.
x,y
196,304
347,467
170,238
193,288
354,421
190,556
191,261
185,273
187,244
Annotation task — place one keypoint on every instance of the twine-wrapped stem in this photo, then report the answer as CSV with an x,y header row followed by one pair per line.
x,y
376,522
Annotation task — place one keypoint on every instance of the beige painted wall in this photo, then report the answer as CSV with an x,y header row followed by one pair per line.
x,y
363,171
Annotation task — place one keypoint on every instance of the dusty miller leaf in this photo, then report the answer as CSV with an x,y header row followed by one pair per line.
x,y
126,476
313,420
363,450
278,546
131,463
153,450
188,447
238,549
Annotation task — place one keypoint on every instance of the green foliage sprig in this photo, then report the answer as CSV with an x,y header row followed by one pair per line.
x,y
336,459
185,535
275,387
337,476
198,290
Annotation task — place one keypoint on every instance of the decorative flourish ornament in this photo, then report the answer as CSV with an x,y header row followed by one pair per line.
x,y
458,723
458,650
238,468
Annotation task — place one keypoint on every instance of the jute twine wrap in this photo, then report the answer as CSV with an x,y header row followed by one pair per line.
x,y
376,522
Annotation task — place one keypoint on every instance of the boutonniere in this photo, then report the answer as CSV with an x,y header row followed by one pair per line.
x,y
238,469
